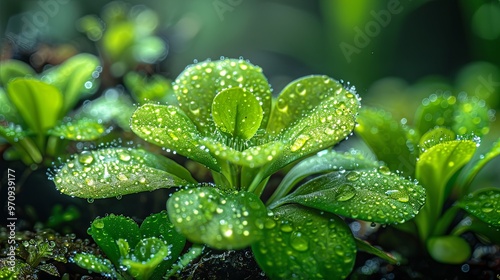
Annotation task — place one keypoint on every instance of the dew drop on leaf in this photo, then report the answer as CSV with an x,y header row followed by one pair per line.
x,y
352,176
298,241
384,170
345,193
299,143
86,158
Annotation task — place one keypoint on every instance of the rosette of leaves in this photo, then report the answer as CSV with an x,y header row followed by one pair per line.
x,y
34,107
440,151
133,252
227,120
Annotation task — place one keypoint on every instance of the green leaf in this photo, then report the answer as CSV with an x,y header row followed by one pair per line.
x,y
483,204
147,255
434,169
158,225
197,86
222,220
24,146
154,88
118,171
49,268
11,69
301,243
237,112
74,78
387,138
31,100
303,95
252,157
462,114
108,230
367,247
322,162
491,154
328,119
116,108
169,127
80,130
435,136
375,195
449,249
95,264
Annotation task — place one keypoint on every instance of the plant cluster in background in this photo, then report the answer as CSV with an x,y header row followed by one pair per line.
x,y
439,150
227,119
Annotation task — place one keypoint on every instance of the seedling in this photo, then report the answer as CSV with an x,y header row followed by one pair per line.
x,y
227,119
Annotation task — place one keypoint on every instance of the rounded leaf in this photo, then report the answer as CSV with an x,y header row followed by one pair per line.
x,y
301,243
11,68
222,220
376,195
80,130
483,204
197,86
237,112
118,171
449,249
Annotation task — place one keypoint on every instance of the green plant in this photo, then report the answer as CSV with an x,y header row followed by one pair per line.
x,y
438,150
34,112
133,252
227,120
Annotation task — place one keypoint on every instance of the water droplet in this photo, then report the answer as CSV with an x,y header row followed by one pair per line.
x,y
345,192
282,105
352,176
487,207
123,156
384,170
86,158
286,227
398,195
299,242
122,177
299,143
300,89
90,200
98,224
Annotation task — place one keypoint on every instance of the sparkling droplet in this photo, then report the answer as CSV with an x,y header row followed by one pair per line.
x,y
86,158
299,242
398,195
352,176
384,170
123,156
345,193
299,143
487,207
98,224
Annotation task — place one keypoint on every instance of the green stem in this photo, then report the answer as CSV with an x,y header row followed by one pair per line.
x,y
445,221
194,252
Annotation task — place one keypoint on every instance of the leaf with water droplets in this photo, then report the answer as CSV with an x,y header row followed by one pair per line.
x,y
328,118
75,77
323,162
106,231
154,88
376,195
118,171
478,166
30,98
159,225
197,86
483,204
147,255
434,137
449,249
237,112
252,157
301,243
222,220
10,69
80,130
95,264
169,127
387,139
115,108
462,114
434,169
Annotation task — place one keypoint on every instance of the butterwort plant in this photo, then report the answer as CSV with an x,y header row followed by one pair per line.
x,y
227,119
439,149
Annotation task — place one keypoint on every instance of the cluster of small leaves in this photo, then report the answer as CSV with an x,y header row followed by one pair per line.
x,y
126,36
227,119
34,106
438,151
38,252
133,252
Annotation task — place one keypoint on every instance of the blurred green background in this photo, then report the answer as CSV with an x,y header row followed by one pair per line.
x,y
391,51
